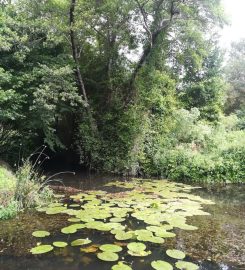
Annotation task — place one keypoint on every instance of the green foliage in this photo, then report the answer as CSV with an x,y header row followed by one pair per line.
x,y
235,75
7,179
30,188
129,93
9,211
203,152
24,189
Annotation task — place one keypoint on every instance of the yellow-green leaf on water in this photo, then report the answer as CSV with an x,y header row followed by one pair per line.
x,y
40,233
108,256
80,242
176,254
60,244
68,230
110,248
121,266
41,249
136,247
186,265
161,265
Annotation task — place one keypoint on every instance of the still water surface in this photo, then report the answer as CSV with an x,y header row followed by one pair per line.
x,y
219,242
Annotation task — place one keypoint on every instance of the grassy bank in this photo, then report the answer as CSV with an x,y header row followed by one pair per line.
x,y
21,190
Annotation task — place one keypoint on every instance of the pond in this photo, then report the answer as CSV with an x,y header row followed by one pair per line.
x,y
133,224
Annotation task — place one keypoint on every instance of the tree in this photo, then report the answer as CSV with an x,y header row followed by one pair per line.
x,y
235,76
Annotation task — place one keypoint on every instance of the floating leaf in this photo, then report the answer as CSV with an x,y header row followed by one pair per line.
x,y
41,249
156,240
186,265
60,244
136,246
90,249
117,219
121,266
161,265
123,235
176,254
40,233
165,234
68,230
110,248
108,256
55,210
142,253
80,242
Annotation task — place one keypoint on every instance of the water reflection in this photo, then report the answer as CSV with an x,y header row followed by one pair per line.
x,y
219,243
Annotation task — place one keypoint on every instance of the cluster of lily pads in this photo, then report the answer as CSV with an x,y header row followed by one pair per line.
x,y
160,206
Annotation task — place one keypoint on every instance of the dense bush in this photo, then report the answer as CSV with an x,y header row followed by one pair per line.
x,y
202,152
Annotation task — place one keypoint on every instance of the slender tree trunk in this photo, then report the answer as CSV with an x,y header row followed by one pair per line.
x,y
153,36
77,70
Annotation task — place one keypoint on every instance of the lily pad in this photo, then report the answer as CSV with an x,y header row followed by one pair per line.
x,y
123,235
161,265
80,242
165,234
186,265
142,253
40,233
136,247
41,249
110,248
90,249
176,254
60,244
108,256
121,266
68,230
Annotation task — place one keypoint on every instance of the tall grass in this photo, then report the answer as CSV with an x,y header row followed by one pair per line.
x,y
27,188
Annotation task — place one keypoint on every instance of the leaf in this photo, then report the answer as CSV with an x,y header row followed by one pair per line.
x,y
60,244
80,242
110,248
121,266
186,265
136,247
176,254
41,249
40,233
161,265
108,256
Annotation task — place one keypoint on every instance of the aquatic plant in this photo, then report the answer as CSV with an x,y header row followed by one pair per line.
x,y
111,213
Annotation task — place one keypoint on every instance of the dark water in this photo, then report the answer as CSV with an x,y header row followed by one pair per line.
x,y
219,243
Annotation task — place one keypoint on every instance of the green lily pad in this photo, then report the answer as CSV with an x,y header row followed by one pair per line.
x,y
156,240
186,265
108,256
123,235
136,247
68,230
142,253
60,244
176,254
41,249
55,210
40,233
165,234
80,242
121,266
110,248
117,219
161,265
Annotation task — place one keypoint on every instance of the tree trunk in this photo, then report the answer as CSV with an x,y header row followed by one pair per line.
x,y
77,70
